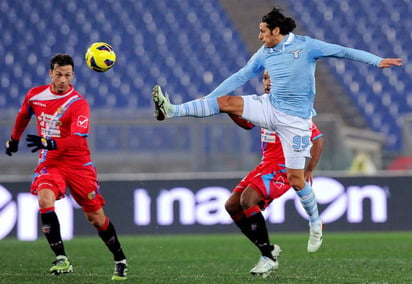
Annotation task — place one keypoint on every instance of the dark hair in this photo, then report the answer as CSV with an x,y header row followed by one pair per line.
x,y
276,19
61,60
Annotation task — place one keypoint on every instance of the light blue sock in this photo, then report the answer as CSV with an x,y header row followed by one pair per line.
x,y
197,108
308,200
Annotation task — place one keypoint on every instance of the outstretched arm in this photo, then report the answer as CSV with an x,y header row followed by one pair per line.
x,y
324,49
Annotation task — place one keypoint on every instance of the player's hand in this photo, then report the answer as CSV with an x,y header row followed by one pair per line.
x,y
12,146
309,176
38,142
389,62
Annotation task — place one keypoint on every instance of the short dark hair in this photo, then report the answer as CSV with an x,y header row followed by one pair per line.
x,y
61,60
276,19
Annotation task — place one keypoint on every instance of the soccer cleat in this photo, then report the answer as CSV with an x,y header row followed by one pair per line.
x,y
161,102
275,254
264,267
315,239
120,271
61,265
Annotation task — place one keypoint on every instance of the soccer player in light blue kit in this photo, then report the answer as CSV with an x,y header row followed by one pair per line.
x,y
290,60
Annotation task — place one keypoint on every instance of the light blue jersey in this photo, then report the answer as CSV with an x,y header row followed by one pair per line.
x,y
291,65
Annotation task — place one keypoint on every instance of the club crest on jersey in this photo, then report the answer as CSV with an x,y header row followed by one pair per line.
x,y
296,53
82,121
91,195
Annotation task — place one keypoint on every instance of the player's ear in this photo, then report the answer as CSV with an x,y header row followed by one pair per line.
x,y
276,31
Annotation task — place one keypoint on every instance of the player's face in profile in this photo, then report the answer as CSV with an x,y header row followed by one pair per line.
x,y
268,37
61,77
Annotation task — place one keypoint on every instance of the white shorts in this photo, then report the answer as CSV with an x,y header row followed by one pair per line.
x,y
294,131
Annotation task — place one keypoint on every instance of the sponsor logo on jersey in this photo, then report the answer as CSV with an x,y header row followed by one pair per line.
x,y
50,125
82,121
267,136
39,104
257,98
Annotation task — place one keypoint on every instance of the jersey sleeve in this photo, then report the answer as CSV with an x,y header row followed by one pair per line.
x,y
80,119
22,119
323,49
253,68
315,132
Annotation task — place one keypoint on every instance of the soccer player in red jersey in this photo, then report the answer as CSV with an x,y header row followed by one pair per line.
x,y
265,183
62,116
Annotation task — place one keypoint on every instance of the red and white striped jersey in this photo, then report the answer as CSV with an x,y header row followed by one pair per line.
x,y
63,117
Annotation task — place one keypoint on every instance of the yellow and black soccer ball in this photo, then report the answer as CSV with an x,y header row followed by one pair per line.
x,y
100,57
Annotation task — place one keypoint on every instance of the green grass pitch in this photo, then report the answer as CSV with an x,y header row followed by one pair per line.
x,y
344,258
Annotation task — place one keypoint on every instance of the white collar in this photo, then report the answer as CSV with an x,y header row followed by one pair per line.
x,y
291,37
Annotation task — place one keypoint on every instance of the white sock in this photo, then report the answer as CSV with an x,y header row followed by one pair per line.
x,y
197,108
308,200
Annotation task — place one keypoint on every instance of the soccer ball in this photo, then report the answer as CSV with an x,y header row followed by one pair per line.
x,y
100,57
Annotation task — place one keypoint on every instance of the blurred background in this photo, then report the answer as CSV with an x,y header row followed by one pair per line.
x,y
189,47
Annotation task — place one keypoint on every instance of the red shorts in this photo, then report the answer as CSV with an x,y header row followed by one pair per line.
x,y
81,181
269,180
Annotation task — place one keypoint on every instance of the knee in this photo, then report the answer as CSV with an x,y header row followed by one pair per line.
x,y
232,207
224,103
231,104
296,181
44,203
95,219
46,198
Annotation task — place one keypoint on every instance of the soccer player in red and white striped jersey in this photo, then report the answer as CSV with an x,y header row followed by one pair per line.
x,y
63,122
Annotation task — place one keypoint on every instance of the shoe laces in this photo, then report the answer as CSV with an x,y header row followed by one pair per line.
x,y
315,234
60,260
265,262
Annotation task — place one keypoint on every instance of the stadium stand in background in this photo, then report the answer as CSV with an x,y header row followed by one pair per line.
x,y
183,46
381,27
